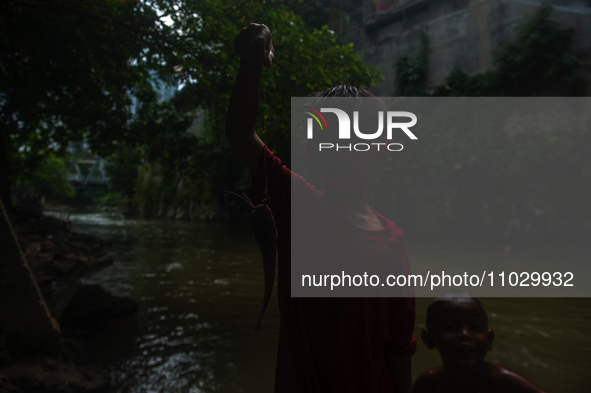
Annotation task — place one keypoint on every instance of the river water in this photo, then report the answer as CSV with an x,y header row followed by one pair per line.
x,y
200,289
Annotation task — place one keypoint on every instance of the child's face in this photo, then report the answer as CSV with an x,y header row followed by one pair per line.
x,y
460,333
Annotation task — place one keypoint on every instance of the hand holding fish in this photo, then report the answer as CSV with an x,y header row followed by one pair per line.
x,y
266,237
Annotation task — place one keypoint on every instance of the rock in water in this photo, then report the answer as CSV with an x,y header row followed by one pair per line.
x,y
92,304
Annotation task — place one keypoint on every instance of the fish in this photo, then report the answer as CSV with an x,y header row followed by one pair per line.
x,y
265,233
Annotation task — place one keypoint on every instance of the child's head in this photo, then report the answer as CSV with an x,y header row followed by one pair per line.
x,y
345,168
457,326
344,91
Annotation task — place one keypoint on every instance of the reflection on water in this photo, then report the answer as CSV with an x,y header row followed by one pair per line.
x,y
200,289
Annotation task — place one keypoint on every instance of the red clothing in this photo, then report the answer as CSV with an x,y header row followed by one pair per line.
x,y
333,344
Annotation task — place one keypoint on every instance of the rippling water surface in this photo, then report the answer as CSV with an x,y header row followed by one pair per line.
x,y
200,289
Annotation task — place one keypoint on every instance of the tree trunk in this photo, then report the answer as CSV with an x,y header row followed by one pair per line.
x,y
5,195
24,316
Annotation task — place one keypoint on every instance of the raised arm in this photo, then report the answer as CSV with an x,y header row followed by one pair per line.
x,y
255,49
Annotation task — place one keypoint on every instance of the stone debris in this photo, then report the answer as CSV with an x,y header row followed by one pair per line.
x,y
58,258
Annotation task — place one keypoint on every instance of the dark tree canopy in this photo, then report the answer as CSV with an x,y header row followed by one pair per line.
x,y
73,71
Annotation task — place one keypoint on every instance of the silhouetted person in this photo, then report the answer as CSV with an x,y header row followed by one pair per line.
x,y
325,344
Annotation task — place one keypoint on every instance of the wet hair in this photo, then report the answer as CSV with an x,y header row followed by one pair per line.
x,y
369,104
450,297
343,91
349,98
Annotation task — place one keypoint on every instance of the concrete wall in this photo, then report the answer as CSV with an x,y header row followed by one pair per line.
x,y
461,33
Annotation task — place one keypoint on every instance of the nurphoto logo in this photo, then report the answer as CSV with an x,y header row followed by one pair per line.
x,y
344,131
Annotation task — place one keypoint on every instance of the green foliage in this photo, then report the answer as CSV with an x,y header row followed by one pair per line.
x,y
50,180
538,62
122,169
111,199
89,198
480,180
70,70
539,57
319,13
411,73
464,85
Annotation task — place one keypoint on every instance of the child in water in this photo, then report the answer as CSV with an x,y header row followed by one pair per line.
x,y
457,326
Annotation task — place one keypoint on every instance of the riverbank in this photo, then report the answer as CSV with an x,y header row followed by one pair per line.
x,y
58,258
